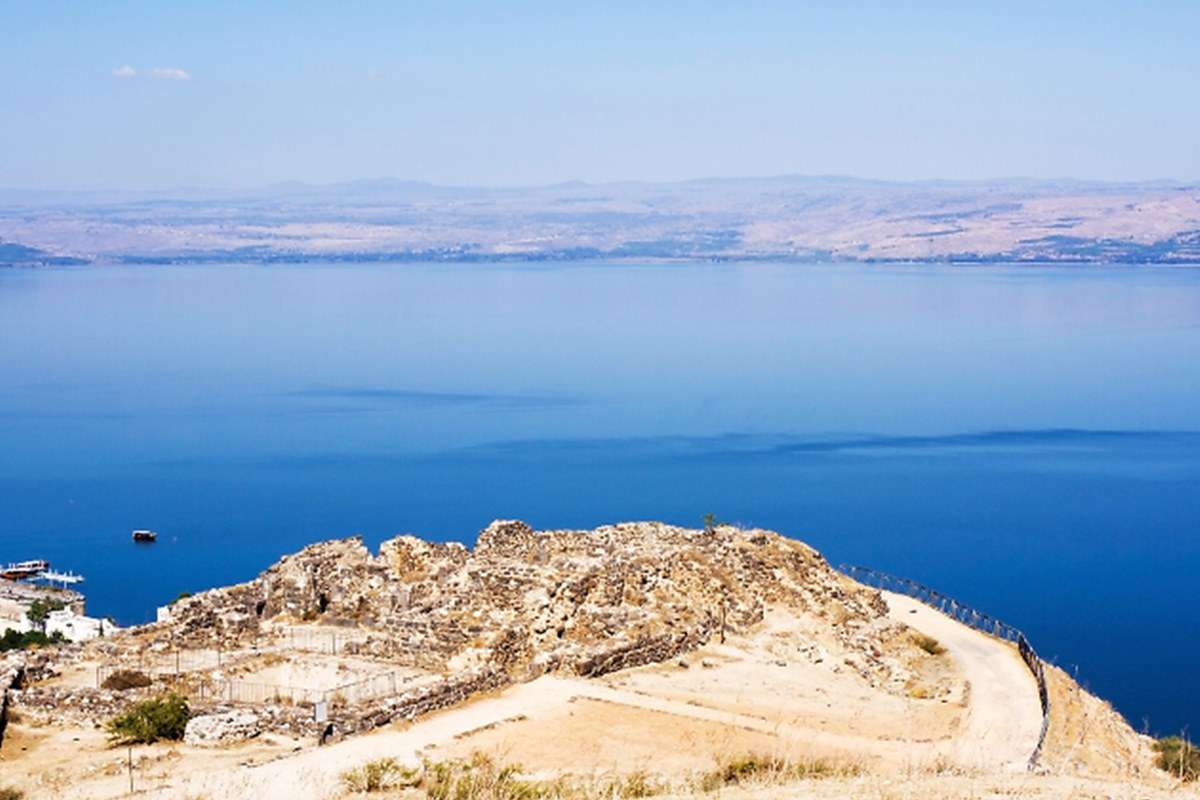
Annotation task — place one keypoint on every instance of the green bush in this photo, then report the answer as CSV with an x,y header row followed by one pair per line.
x,y
15,640
1179,757
151,720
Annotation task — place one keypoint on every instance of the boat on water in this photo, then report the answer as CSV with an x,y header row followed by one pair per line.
x,y
22,570
145,536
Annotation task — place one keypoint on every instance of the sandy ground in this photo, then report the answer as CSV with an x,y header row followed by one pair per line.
x,y
970,786
68,763
312,671
665,718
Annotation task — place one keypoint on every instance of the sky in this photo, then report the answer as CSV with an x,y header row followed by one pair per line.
x,y
162,95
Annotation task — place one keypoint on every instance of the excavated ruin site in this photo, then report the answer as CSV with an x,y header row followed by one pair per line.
x,y
638,649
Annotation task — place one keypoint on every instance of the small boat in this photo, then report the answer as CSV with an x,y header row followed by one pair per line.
x,y
22,570
145,536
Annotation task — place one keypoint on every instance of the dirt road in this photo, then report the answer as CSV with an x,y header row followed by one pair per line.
x,y
1004,717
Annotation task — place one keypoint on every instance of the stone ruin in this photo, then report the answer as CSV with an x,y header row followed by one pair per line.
x,y
520,604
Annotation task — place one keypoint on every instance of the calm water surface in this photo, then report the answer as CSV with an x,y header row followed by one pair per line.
x,y
1027,439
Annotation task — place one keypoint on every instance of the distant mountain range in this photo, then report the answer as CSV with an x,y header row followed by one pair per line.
x,y
780,218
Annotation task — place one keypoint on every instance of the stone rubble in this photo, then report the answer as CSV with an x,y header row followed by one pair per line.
x,y
520,604
209,730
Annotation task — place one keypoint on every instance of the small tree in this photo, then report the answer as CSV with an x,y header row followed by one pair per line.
x,y
711,522
39,611
149,721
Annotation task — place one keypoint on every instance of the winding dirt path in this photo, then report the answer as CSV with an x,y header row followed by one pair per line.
x,y
1004,716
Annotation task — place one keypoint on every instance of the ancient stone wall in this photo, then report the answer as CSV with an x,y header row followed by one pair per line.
x,y
76,705
519,604
649,650
12,670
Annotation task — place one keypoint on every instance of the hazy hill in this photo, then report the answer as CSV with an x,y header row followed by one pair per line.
x,y
786,217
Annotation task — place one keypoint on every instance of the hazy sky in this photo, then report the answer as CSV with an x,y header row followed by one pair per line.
x,y
124,94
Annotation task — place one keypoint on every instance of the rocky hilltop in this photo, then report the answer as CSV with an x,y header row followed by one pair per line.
x,y
528,602
574,653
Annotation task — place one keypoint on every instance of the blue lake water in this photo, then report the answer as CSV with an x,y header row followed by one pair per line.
x,y
1025,438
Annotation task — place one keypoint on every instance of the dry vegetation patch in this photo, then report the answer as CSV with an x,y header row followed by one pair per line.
x,y
480,777
929,644
1178,757
126,679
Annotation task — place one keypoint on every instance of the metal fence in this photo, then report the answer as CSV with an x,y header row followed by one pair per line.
x,y
374,687
175,663
251,693
371,688
199,687
971,617
316,640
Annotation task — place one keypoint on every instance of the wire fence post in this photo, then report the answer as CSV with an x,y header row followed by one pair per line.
x,y
971,618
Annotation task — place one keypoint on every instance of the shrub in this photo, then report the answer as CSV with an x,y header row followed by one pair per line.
x,y
9,793
379,775
1179,757
480,778
15,640
928,644
163,717
125,679
636,785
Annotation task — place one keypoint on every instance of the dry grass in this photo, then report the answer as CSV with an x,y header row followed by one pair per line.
x,y
929,644
760,770
482,778
380,775
1178,757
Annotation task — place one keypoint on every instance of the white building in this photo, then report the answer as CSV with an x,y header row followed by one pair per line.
x,y
76,627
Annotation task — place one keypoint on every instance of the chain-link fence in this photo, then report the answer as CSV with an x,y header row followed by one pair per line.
x,y
972,618
185,672
174,663
315,640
